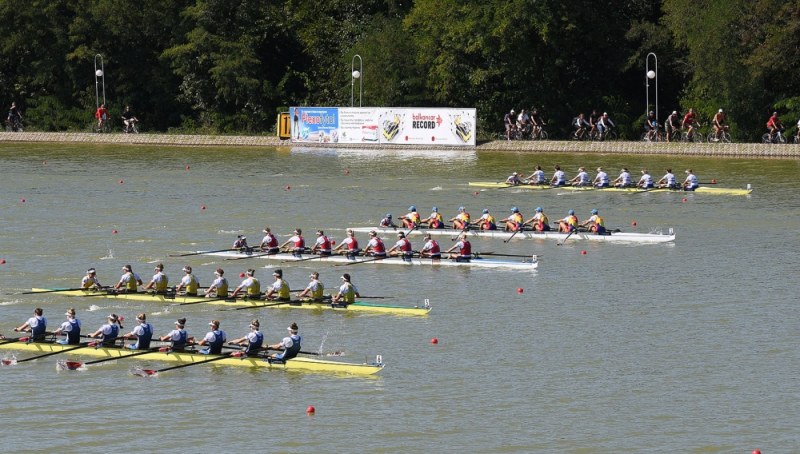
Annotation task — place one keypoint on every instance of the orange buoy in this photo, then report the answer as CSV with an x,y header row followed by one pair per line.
x,y
241,274
434,341
756,451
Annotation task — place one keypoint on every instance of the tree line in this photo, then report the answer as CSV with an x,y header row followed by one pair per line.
x,y
231,66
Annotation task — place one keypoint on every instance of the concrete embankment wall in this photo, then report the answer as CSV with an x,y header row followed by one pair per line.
x,y
734,150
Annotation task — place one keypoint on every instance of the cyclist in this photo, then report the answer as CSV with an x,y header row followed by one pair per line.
x,y
719,124
129,120
580,125
537,123
102,116
651,126
688,123
604,125
671,125
508,121
797,136
593,117
14,118
774,125
522,121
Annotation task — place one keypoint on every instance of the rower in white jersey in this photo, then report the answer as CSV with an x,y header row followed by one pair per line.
x,y
323,244
90,280
109,332
36,325
214,339
253,342
71,328
601,180
289,346
349,245
188,282
668,181
218,288
623,180
537,177
279,290
250,285
143,333
646,181
581,179
690,183
559,177
178,336
129,282
347,293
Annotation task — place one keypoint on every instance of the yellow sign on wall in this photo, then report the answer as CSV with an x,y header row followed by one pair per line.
x,y
284,126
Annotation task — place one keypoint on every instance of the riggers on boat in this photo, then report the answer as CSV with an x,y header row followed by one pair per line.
x,y
611,237
713,190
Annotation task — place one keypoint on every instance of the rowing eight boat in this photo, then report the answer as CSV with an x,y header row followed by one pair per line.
x,y
358,306
616,237
299,363
702,189
477,262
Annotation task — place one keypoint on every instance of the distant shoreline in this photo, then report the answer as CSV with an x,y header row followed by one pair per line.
x,y
731,150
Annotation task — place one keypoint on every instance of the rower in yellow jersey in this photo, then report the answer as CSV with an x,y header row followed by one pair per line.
x,y
130,281
90,280
315,289
159,282
279,290
250,284
189,282
569,223
539,221
595,223
347,292
218,288
461,220
412,219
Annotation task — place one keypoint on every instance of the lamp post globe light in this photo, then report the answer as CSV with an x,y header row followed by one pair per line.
x,y
99,80
650,74
356,74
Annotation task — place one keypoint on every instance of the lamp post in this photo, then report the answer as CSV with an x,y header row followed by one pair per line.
x,y
648,75
99,79
356,74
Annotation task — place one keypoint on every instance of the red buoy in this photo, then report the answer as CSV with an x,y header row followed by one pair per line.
x,y
114,231
333,242
311,410
288,188
241,274
22,200
520,290
121,181
633,223
187,167
583,252
756,451
714,181
685,200
202,207
434,341
2,261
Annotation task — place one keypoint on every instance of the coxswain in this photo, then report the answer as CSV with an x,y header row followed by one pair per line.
x,y
218,288
601,180
298,243
402,248
623,180
559,177
375,247
515,221
71,328
143,333
668,181
109,332
323,244
130,281
36,325
461,220
90,280
464,249
159,282
240,244
387,221
412,219
595,223
349,245
690,183
250,284
486,221
214,339
431,248
279,290
569,223
178,336
539,221
315,288
290,345
347,293
435,220
253,342
581,179
537,177
513,179
188,282
646,181
269,243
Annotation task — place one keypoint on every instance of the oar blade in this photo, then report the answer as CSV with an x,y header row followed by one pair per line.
x,y
70,365
9,361
144,372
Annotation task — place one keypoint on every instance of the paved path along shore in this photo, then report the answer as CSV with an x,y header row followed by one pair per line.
x,y
734,150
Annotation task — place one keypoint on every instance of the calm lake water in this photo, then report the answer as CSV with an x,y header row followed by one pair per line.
x,y
689,347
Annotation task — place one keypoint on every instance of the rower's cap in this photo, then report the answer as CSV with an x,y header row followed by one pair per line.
x,y
320,232
389,215
187,269
293,328
278,272
350,232
298,231
113,318
126,268
720,110
427,235
267,230
141,317
514,173
70,312
255,324
251,272
514,209
594,211
219,272
240,237
314,275
159,267
346,277
674,112
180,322
412,208
401,234
373,233
485,210
91,271
538,209
461,208
571,212
599,169
688,170
434,209
214,323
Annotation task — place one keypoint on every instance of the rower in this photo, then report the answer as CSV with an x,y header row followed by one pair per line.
x,y
322,246
569,223
290,345
435,220
486,221
412,219
214,339
387,221
188,282
581,179
178,336
601,180
240,244
36,325
143,333
515,221
250,284
315,289
668,181
347,293
375,247
559,177
71,328
431,248
109,332
646,181
90,280
464,249
537,177
298,243
270,242
690,183
159,281
279,290
595,223
351,243
253,341
129,281
539,221
218,288
513,179
461,220
623,180
402,248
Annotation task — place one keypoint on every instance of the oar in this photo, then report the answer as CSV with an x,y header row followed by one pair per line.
x,y
378,297
567,237
504,255
375,259
205,301
251,256
301,352
303,260
466,227
52,291
18,339
708,182
81,345
270,305
72,365
151,372
199,253
414,227
522,227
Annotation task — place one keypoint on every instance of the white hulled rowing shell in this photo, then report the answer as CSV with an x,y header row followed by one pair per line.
x,y
620,237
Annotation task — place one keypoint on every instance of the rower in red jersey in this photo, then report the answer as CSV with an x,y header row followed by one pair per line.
x,y
298,243
431,248
402,248
270,242
464,249
323,244
350,243
375,247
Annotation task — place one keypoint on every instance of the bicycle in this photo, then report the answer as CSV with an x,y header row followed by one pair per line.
x,y
653,136
104,127
778,138
608,134
724,136
539,133
13,124
697,136
129,127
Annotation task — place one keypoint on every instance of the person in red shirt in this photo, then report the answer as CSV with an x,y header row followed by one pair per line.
x,y
102,116
688,123
774,125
